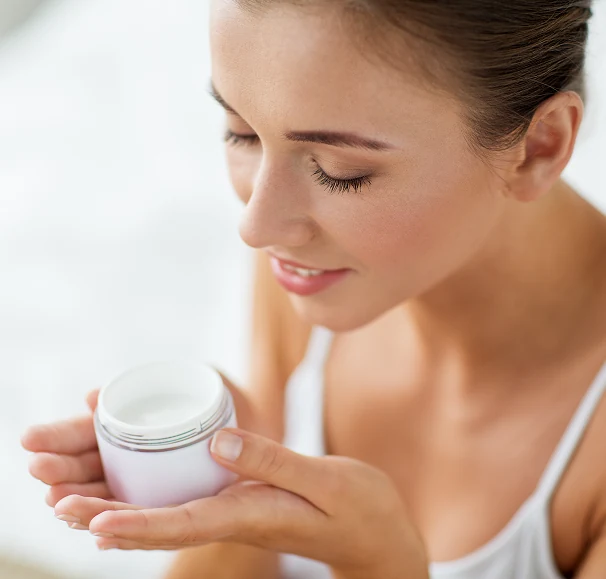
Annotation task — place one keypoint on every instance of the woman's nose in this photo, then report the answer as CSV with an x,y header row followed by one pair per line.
x,y
275,213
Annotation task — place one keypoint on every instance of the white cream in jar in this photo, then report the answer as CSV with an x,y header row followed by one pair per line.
x,y
154,425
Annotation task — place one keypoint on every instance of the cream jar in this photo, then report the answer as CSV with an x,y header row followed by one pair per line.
x,y
154,424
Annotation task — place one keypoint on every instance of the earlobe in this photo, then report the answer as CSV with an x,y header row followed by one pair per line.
x,y
547,146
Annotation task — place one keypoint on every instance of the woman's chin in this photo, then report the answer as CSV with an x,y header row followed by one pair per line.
x,y
337,316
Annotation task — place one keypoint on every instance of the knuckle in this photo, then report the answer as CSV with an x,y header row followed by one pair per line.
x,y
72,503
244,520
351,480
188,535
144,518
271,460
76,470
90,467
54,432
43,466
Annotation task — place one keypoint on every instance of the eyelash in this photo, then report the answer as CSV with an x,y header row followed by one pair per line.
x,y
333,185
232,138
340,185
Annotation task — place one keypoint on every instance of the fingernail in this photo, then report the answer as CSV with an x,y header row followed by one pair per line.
x,y
104,535
227,445
68,518
78,527
107,547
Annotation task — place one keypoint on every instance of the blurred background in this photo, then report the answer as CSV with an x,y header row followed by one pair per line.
x,y
118,231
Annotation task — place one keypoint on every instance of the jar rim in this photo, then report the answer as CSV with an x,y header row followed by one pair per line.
x,y
202,384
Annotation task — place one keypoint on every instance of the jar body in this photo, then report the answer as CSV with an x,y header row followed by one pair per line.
x,y
158,478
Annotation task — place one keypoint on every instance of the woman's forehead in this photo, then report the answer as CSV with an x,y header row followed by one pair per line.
x,y
284,63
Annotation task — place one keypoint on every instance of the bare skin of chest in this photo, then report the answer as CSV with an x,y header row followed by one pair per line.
x,y
465,463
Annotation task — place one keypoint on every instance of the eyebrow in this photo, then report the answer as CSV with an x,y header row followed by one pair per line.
x,y
332,138
337,139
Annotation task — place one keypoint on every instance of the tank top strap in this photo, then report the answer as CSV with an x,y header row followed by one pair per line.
x,y
572,438
318,348
304,401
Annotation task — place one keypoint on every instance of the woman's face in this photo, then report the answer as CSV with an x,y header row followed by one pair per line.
x,y
345,165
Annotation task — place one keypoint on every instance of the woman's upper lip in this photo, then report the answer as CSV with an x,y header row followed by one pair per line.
x,y
301,265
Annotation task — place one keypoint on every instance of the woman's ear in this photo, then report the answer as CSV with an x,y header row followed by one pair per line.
x,y
547,147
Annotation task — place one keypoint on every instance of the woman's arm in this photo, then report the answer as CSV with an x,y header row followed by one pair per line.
x,y
278,343
225,561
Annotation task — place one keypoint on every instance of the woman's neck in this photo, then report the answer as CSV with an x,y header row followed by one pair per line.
x,y
535,293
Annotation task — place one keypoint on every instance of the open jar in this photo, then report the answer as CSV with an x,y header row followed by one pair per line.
x,y
154,424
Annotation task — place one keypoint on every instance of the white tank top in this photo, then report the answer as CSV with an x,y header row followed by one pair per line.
x,y
522,550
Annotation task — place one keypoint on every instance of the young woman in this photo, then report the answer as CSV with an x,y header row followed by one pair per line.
x,y
430,317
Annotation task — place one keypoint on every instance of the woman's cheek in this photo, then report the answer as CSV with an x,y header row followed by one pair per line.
x,y
408,227
433,232
381,227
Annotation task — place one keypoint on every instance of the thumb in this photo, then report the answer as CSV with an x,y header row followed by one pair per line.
x,y
262,459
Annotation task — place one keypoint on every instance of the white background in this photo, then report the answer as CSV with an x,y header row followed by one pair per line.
x,y
118,229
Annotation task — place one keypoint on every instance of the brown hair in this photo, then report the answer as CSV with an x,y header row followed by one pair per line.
x,y
507,56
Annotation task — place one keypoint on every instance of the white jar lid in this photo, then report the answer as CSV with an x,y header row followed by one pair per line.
x,y
162,404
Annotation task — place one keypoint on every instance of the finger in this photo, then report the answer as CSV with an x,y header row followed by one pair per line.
x,y
54,469
91,399
77,527
82,510
60,491
190,524
256,457
247,513
66,437
242,405
107,544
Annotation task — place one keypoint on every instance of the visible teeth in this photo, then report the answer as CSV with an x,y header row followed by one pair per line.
x,y
308,272
303,272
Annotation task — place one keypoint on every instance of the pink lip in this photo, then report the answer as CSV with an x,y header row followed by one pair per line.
x,y
305,286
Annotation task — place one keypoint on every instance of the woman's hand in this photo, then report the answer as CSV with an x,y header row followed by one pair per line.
x,y
335,510
66,457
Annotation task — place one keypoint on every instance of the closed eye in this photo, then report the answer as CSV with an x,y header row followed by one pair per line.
x,y
331,184
334,185
232,138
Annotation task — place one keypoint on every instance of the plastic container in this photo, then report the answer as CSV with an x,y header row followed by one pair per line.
x,y
154,425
